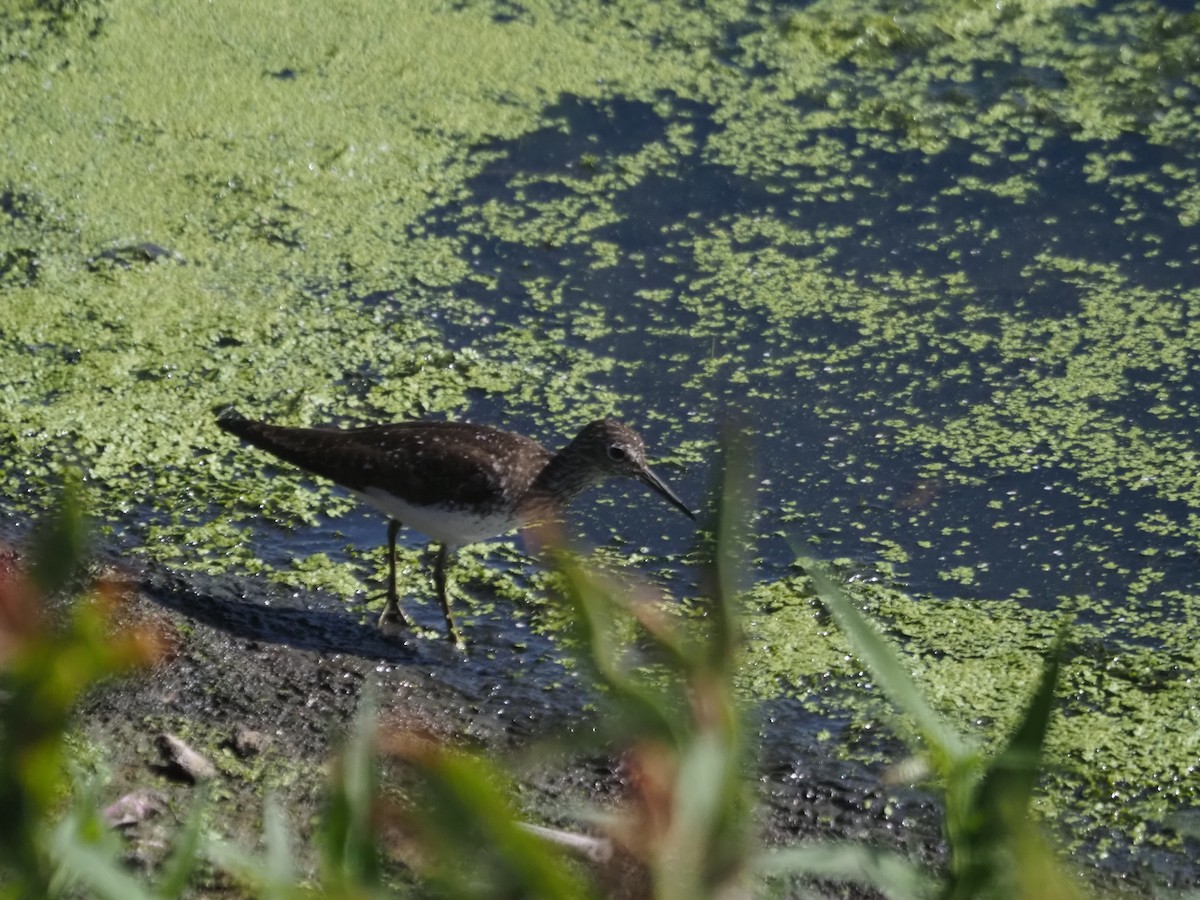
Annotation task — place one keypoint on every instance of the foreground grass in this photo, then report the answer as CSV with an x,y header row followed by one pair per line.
x,y
686,827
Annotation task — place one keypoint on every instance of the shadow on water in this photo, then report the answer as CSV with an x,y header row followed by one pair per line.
x,y
503,665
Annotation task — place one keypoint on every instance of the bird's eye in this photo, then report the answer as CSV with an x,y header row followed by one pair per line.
x,y
616,453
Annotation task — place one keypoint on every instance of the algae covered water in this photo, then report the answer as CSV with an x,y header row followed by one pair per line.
x,y
938,260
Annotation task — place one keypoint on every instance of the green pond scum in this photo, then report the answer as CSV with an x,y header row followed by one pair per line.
x,y
940,256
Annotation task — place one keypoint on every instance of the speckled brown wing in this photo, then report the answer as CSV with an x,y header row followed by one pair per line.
x,y
450,463
424,463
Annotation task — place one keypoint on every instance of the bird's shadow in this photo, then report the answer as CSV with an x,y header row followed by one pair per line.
x,y
252,609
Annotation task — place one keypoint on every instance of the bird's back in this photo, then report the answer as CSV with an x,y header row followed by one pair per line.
x,y
443,464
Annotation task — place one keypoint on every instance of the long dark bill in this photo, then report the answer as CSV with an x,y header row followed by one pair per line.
x,y
648,478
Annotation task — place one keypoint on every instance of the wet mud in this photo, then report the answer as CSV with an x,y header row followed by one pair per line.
x,y
265,682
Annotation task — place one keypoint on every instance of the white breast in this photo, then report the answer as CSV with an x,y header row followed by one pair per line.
x,y
451,527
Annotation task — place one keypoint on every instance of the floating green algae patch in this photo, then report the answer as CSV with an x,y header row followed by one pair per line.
x,y
277,158
939,257
1126,724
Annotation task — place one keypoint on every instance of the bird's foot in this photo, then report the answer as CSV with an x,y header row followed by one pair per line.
x,y
393,616
453,636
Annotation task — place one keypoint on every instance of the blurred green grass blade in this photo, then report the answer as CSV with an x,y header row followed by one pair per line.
x,y
60,540
185,855
243,866
252,873
481,848
1013,772
946,746
889,873
640,709
700,798
732,533
272,877
1008,840
95,867
280,864
349,852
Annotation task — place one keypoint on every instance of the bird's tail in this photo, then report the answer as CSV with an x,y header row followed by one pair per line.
x,y
304,447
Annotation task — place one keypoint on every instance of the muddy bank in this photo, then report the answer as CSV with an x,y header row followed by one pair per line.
x,y
263,683
289,670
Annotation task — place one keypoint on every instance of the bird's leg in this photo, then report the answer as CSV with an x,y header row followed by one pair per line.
x,y
439,579
392,610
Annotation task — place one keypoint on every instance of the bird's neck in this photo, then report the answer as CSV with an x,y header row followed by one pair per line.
x,y
562,478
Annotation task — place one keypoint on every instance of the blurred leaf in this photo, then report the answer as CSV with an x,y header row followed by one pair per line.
x,y
891,874
272,877
947,748
350,855
1012,775
639,709
731,529
45,668
468,835
280,865
185,854
60,539
994,847
90,863
693,859
1000,842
